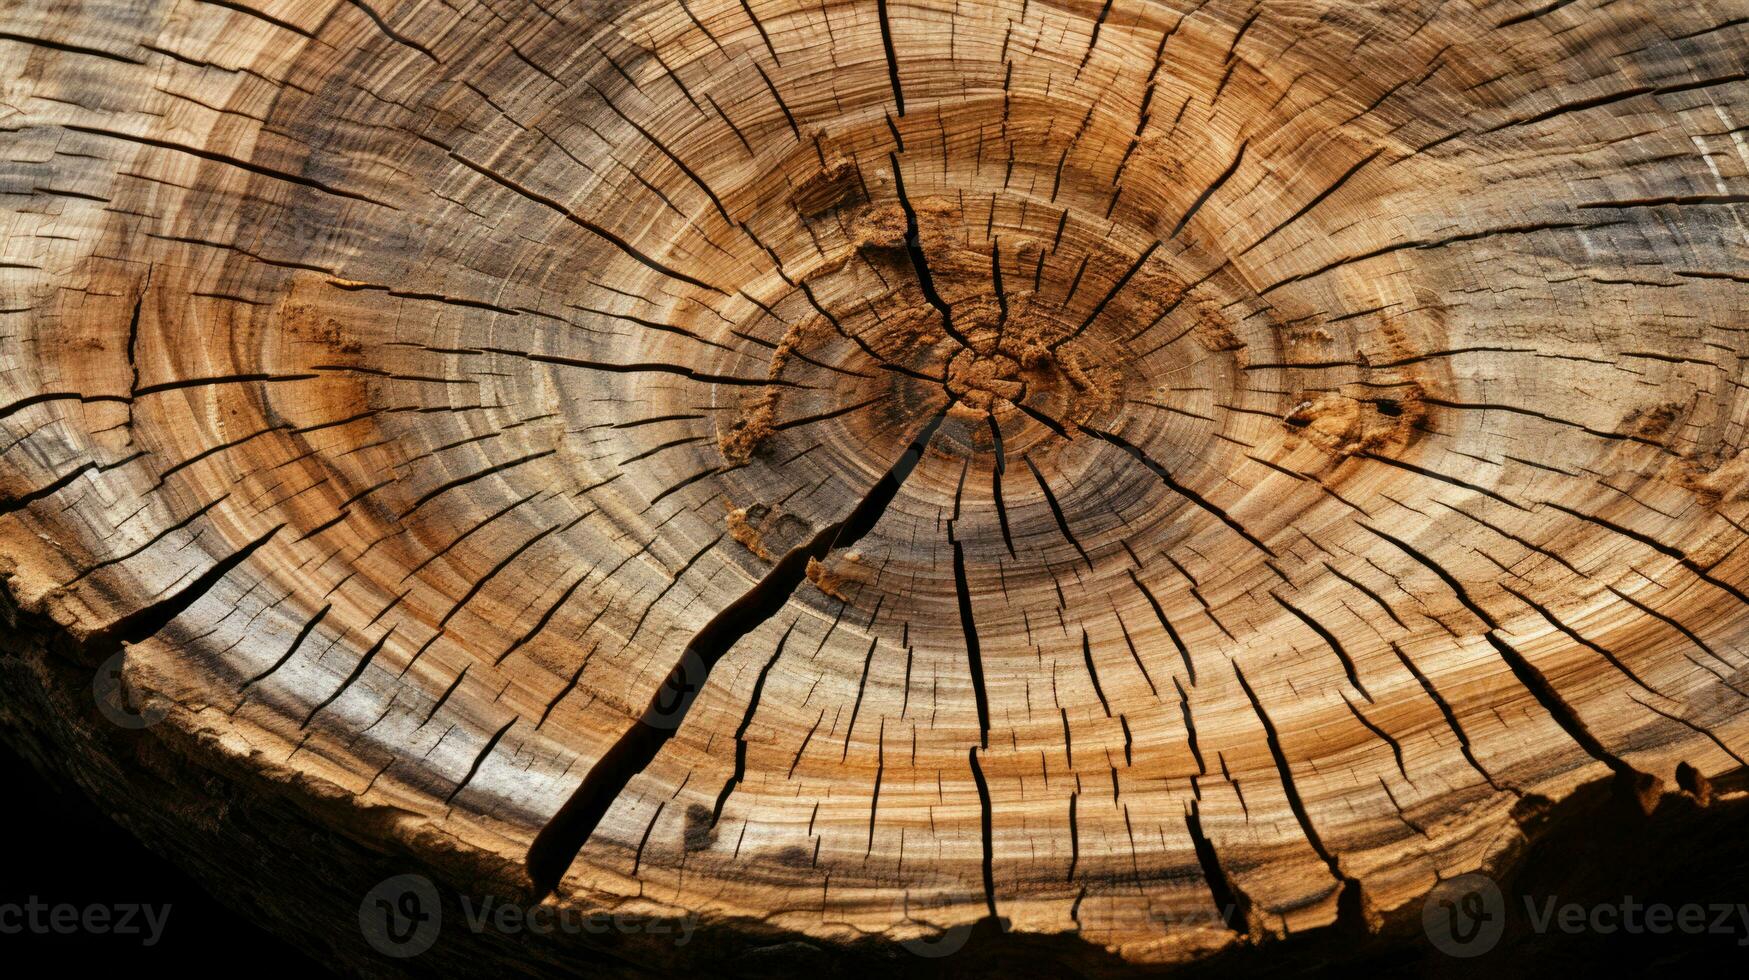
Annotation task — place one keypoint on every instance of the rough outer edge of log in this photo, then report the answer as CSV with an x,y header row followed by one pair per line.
x,y
318,853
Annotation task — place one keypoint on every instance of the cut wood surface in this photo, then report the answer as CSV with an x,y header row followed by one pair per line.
x,y
1173,475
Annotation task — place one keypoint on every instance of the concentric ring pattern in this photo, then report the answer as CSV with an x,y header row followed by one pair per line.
x,y
1174,473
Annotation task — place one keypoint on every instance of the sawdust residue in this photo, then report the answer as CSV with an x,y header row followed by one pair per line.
x,y
752,426
980,383
1026,356
1344,426
878,226
1155,290
756,421
793,338
742,529
939,223
826,580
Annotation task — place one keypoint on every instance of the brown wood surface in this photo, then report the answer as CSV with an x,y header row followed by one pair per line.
x,y
1168,475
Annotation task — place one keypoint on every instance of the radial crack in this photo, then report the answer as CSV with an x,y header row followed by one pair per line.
x,y
558,843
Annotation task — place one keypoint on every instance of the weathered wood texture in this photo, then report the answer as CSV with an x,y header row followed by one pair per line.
x,y
1096,462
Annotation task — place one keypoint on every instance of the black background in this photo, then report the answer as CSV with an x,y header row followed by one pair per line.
x,y
64,850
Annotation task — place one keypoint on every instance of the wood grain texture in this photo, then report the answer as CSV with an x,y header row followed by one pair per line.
x,y
1172,475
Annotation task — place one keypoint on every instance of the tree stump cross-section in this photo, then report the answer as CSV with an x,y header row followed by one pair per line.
x,y
1166,476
